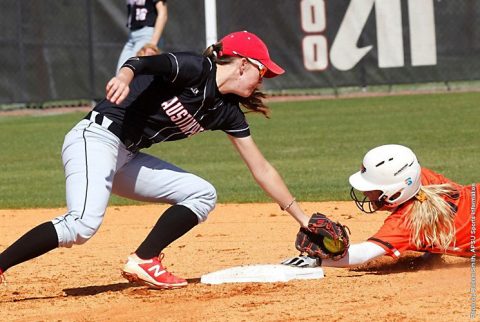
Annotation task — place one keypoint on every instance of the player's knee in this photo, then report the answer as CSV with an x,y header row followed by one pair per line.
x,y
202,202
83,235
207,202
73,230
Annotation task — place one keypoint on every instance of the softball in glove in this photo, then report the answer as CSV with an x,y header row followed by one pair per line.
x,y
323,238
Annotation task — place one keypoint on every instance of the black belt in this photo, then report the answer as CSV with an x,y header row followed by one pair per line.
x,y
113,127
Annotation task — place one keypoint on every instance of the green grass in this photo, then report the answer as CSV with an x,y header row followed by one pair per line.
x,y
315,145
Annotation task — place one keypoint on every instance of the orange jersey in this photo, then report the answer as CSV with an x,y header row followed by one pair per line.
x,y
429,177
394,235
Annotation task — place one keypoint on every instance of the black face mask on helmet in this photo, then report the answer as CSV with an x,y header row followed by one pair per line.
x,y
365,204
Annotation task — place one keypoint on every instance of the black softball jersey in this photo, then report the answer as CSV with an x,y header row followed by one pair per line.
x,y
173,96
141,13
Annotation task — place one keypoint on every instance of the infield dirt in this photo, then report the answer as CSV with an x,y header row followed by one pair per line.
x,y
84,283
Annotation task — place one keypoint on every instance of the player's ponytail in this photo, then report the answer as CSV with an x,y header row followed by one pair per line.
x,y
431,217
213,51
254,102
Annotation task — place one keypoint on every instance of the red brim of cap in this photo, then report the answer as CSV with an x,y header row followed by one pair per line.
x,y
272,68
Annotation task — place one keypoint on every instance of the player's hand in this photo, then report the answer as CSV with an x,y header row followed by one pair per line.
x,y
118,87
302,261
117,90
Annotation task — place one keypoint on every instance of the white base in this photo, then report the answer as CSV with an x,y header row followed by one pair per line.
x,y
262,274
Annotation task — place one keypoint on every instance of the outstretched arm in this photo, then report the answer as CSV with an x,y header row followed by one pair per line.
x,y
357,254
268,178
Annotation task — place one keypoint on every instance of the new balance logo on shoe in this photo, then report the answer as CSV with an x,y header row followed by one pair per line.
x,y
158,270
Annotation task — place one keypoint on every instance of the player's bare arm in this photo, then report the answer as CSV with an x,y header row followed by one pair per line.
x,y
357,254
268,178
160,21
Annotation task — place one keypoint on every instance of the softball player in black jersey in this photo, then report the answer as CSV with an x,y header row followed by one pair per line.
x,y
154,99
146,21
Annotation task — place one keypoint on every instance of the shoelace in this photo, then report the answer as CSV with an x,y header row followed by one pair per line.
x,y
160,258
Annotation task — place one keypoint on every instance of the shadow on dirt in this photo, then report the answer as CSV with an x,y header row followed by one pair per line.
x,y
116,287
195,280
411,263
78,291
97,289
33,298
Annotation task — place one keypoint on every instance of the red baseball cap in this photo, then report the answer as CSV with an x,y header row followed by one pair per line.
x,y
246,44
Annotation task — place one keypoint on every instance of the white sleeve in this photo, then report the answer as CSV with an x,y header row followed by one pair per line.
x,y
357,254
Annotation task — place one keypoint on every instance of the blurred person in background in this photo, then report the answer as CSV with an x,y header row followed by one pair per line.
x,y
146,22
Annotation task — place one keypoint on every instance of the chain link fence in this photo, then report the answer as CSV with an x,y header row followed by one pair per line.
x,y
67,49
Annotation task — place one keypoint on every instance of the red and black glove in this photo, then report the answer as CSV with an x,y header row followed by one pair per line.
x,y
323,238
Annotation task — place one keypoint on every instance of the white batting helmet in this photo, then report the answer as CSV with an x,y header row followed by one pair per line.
x,y
392,169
